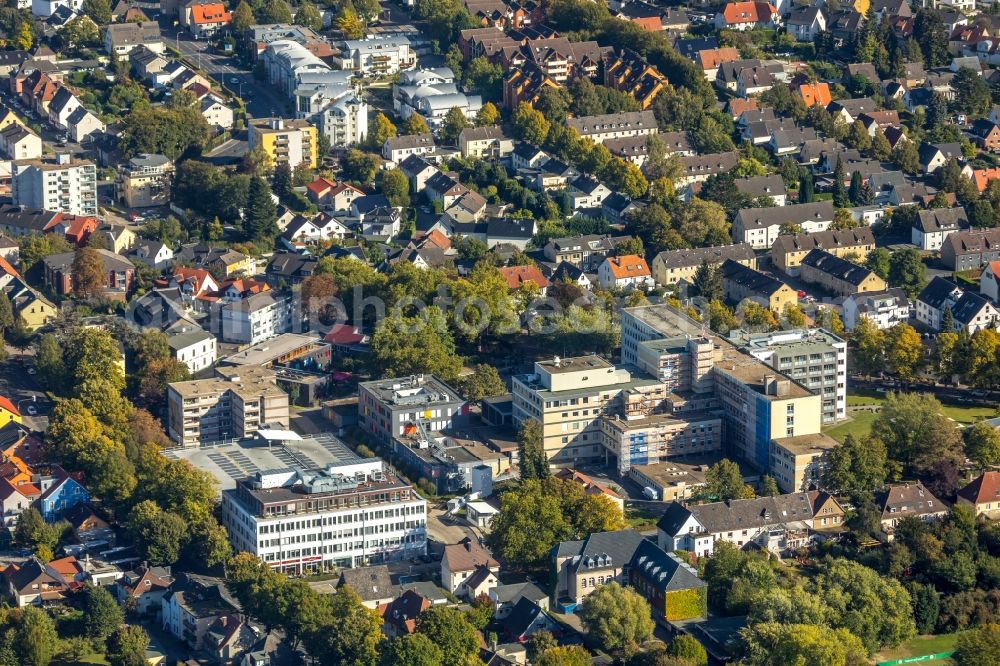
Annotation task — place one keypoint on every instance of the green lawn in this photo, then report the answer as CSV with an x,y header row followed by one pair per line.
x,y
921,645
861,422
859,425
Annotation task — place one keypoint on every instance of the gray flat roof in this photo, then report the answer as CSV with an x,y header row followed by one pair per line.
x,y
265,352
238,460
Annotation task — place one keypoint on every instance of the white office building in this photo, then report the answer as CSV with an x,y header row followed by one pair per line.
x,y
347,515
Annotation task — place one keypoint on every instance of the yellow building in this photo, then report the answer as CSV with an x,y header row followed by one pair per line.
x,y
672,266
788,250
291,142
740,283
8,412
29,304
8,118
146,181
837,275
797,462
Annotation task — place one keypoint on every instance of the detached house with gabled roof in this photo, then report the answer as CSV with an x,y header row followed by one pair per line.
x,y
969,310
983,495
805,23
933,226
601,558
672,587
747,16
625,272
907,500
837,275
461,563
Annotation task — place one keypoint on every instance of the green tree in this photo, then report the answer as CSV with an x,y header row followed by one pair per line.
x,y
405,345
454,122
769,487
930,34
530,125
840,198
484,382
708,281
858,468
170,131
569,655
878,260
242,18
275,11
982,445
309,16
531,451
597,513
528,526
36,640
916,434
881,148
396,187
412,650
360,167
127,646
538,644
350,24
724,481
99,11
261,214
625,177
80,31
159,535
618,618
88,276
906,270
773,644
979,646
720,318
906,157
350,636
451,631
687,647
869,342
102,614
926,607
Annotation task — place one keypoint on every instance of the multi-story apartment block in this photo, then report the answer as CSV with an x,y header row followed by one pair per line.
x,y
233,404
391,408
345,121
614,125
587,252
672,266
815,358
569,397
193,346
885,308
348,515
65,185
291,142
788,250
256,318
840,276
145,181
376,56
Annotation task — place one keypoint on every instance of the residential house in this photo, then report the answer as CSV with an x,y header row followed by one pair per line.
x,y
747,16
852,109
935,156
205,18
617,208
739,282
462,561
968,310
216,112
485,143
505,597
697,168
763,187
398,148
400,616
418,171
933,226
970,249
614,125
65,185
256,318
776,524
192,605
788,250
987,134
797,463
60,492
517,276
145,181
672,587
837,275
34,583
587,252
633,75
983,495
527,618
289,142
83,126
122,38
673,266
193,346
119,272
20,143
624,272
815,93
760,227
907,500
146,585
372,584
884,308
805,23
153,253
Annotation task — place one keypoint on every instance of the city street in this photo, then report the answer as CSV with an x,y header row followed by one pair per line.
x,y
261,100
21,389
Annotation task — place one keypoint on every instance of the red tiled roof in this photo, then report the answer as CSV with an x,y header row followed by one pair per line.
x,y
984,488
320,185
982,177
518,275
7,405
712,58
816,93
210,13
629,265
736,13
342,334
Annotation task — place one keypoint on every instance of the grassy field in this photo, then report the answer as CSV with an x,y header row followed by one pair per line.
x,y
861,422
921,645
